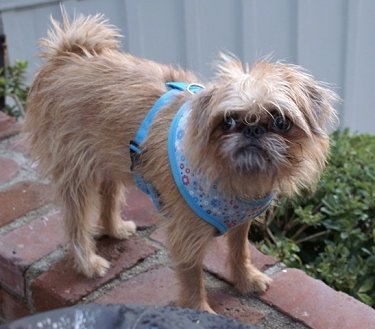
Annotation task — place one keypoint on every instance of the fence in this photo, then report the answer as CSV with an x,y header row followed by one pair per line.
x,y
333,39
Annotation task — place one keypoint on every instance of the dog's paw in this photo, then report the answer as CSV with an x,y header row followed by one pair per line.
x,y
254,282
202,306
206,308
97,266
124,230
120,229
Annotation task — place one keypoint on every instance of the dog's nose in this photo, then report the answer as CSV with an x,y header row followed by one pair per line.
x,y
254,131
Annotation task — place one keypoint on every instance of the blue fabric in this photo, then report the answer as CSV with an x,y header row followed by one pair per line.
x,y
147,121
202,196
142,133
147,188
175,88
205,200
192,88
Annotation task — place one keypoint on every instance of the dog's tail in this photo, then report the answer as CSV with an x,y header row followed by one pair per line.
x,y
84,36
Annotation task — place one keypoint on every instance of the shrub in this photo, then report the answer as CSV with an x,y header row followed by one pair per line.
x,y
12,85
330,234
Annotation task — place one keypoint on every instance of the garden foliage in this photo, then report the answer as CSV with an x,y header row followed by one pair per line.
x,y
331,233
12,86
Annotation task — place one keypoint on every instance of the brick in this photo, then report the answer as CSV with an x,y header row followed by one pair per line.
x,y
233,307
8,126
12,307
217,254
25,245
8,169
21,198
20,144
62,286
315,304
139,208
157,286
159,235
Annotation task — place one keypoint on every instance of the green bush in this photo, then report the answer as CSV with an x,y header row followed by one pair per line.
x,y
330,234
12,85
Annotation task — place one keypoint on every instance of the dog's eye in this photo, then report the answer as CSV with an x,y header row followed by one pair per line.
x,y
282,123
229,123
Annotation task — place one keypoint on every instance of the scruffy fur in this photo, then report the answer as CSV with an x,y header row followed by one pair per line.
x,y
87,102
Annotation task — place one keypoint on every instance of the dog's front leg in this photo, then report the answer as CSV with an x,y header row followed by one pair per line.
x,y
192,288
187,245
246,277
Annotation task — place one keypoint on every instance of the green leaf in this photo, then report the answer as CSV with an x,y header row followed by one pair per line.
x,y
367,285
366,298
12,84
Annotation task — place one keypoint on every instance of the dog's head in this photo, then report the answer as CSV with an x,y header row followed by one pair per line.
x,y
261,129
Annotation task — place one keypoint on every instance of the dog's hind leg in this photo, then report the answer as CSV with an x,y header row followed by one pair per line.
x,y
78,197
111,194
246,277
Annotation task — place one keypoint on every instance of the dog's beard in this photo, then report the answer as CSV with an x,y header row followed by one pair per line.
x,y
258,156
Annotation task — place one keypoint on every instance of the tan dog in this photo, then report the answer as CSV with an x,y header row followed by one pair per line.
x,y
250,135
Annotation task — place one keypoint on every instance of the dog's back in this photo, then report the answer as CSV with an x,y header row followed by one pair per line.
x,y
89,97
58,107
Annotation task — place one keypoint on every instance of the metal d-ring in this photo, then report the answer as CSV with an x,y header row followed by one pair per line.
x,y
192,87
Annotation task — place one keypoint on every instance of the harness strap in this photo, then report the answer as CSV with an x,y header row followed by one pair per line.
x,y
175,88
149,118
142,133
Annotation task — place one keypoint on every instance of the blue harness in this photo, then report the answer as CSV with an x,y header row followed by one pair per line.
x,y
208,203
135,145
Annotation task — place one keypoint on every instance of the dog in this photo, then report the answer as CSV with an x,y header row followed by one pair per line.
x,y
213,157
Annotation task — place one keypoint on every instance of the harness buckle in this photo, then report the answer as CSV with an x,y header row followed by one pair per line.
x,y
193,88
135,152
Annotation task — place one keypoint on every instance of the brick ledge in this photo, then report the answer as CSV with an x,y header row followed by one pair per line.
x,y
34,277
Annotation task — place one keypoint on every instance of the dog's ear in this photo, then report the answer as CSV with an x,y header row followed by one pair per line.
x,y
322,100
317,102
314,99
203,114
205,98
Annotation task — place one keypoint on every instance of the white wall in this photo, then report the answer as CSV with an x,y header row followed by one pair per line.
x,y
333,39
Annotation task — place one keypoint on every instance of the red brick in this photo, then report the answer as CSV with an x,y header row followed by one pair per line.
x,y
233,307
8,126
139,208
159,286
154,287
8,169
217,254
11,307
61,285
25,245
315,304
159,235
21,198
20,144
